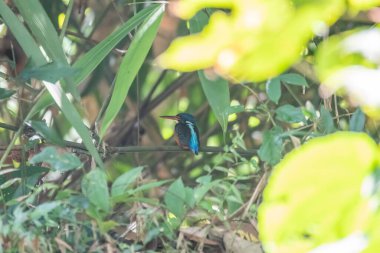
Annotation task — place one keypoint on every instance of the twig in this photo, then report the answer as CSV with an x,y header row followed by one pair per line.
x,y
141,149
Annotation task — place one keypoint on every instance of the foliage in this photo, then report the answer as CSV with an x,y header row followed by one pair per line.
x,y
84,155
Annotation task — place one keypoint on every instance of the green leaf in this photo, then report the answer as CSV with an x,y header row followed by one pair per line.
x,y
175,198
44,209
130,65
88,62
94,187
289,114
216,89
295,79
125,197
22,35
122,183
4,93
273,88
357,121
270,150
332,171
60,161
326,122
51,72
46,132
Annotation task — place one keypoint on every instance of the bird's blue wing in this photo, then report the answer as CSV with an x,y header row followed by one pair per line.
x,y
193,143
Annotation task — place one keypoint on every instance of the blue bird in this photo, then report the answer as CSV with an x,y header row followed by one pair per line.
x,y
186,132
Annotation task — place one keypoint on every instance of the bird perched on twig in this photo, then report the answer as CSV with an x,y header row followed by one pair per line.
x,y
186,132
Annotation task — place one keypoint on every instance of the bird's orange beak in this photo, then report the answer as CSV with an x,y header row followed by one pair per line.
x,y
170,117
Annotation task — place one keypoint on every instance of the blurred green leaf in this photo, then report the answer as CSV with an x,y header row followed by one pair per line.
x,y
51,72
60,161
273,88
147,186
46,132
357,121
175,198
122,183
88,62
326,122
216,89
295,79
130,65
270,150
241,47
4,93
290,114
235,109
94,187
44,209
333,171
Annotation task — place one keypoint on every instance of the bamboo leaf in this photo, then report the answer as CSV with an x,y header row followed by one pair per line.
x,y
130,65
87,63
22,35
74,118
42,28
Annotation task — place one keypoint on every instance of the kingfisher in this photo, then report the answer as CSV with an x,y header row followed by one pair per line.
x,y
186,133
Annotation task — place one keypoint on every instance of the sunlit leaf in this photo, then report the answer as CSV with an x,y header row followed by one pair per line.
x,y
293,216
60,161
248,43
94,187
129,67
346,61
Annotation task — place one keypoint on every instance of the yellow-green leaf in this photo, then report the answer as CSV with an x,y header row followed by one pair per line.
x,y
319,193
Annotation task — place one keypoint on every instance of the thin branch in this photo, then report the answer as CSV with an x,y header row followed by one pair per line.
x,y
141,149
